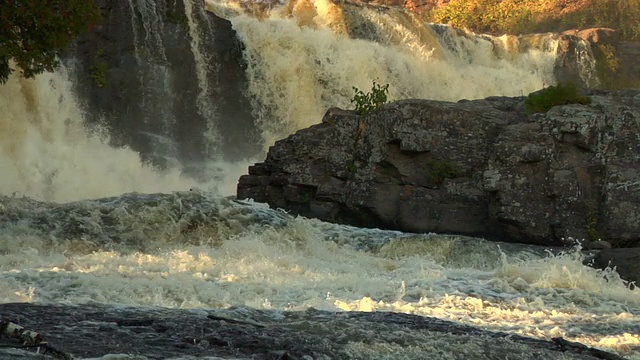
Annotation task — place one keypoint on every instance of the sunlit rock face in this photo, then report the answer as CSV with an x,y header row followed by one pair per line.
x,y
617,60
479,167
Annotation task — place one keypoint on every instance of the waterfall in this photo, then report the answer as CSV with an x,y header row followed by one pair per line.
x,y
156,80
179,89
306,57
47,153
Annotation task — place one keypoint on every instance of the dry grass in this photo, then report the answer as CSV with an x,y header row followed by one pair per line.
x,y
526,16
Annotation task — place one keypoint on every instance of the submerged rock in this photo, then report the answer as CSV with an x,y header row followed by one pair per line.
x,y
480,168
243,333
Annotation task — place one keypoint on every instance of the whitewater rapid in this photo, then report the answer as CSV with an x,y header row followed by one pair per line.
x,y
197,250
72,231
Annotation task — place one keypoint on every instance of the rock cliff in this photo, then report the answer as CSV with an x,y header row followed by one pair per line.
x,y
481,168
146,73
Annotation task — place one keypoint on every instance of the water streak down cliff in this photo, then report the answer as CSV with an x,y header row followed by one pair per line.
x,y
152,74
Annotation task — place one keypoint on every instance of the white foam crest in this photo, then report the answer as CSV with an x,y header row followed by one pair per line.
x,y
46,153
566,271
404,30
293,267
296,73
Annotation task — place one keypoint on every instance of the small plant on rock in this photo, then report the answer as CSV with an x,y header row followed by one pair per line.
x,y
365,103
592,224
443,169
561,94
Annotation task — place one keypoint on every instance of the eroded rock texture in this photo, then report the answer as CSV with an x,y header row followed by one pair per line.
x,y
242,333
480,168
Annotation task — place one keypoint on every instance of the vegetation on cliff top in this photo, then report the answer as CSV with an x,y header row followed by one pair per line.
x,y
32,32
365,103
528,16
561,94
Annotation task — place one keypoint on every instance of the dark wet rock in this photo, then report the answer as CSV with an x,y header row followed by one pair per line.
x,y
243,333
597,245
141,75
479,168
625,261
616,61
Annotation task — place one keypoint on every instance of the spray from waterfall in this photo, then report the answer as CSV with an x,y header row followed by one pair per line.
x,y
47,153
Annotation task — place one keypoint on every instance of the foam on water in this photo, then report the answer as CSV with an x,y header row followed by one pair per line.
x,y
192,249
252,256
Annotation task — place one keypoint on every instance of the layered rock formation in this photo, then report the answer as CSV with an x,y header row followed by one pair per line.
x,y
480,168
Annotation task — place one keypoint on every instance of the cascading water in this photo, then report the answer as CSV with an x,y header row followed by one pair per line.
x,y
170,68
306,57
205,95
197,249
157,99
47,153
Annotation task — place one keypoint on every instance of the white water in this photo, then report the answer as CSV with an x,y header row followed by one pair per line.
x,y
256,257
155,77
47,153
204,102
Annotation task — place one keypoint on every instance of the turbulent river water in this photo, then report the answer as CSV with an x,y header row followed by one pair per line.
x,y
73,231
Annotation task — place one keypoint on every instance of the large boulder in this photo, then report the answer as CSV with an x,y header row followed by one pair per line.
x,y
480,168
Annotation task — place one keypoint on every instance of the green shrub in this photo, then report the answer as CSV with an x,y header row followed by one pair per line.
x,y
607,65
592,225
35,31
439,170
365,103
561,94
99,72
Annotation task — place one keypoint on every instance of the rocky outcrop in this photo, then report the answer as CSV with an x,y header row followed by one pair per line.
x,y
91,331
625,261
480,168
617,63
